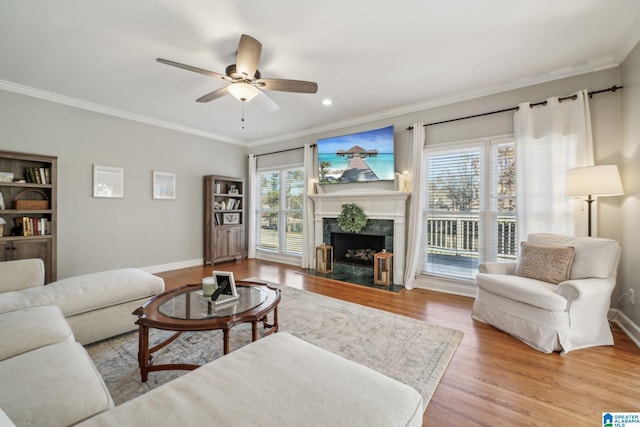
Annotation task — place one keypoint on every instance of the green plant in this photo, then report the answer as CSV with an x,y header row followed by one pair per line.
x,y
352,219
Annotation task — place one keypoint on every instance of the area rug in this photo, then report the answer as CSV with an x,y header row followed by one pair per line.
x,y
411,351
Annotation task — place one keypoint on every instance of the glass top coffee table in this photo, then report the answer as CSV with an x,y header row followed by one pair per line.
x,y
185,309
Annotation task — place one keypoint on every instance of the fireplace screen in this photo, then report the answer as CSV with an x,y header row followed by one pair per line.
x,y
358,249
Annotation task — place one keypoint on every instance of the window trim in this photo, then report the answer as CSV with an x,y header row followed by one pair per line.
x,y
282,210
488,208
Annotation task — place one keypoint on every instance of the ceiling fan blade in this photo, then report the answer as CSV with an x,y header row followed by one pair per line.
x,y
214,95
191,68
298,86
249,50
266,102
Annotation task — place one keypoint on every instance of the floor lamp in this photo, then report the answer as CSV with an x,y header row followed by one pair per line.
x,y
593,181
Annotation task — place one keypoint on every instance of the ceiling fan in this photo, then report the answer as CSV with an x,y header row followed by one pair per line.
x,y
245,78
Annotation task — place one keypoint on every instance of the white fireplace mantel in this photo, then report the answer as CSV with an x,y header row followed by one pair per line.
x,y
390,205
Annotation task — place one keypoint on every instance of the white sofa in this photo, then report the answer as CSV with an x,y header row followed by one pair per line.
x,y
569,315
277,381
97,306
48,379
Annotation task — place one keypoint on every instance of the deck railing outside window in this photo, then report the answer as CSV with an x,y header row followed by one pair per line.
x,y
444,238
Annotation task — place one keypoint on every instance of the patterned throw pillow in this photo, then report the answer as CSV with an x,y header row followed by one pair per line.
x,y
545,262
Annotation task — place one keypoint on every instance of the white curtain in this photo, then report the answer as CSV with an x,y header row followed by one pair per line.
x,y
252,200
414,227
551,139
308,249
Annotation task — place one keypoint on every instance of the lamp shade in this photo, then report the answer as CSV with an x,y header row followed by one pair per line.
x,y
243,91
594,181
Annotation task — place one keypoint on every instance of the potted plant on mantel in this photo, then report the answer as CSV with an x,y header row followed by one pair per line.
x,y
352,218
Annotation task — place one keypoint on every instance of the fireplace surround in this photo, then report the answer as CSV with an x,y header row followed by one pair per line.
x,y
387,206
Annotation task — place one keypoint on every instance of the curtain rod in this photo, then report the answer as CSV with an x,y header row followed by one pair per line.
x,y
281,151
572,97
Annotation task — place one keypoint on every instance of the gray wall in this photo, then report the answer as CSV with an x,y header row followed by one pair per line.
x,y
137,231
630,154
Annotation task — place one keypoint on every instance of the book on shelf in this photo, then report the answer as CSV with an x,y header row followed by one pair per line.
x,y
37,175
233,204
32,226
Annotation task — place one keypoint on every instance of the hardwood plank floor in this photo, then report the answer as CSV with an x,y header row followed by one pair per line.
x,y
493,378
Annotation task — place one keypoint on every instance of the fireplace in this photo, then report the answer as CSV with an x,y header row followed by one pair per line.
x,y
386,212
356,249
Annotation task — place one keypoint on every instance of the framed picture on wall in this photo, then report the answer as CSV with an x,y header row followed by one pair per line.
x,y
108,182
164,185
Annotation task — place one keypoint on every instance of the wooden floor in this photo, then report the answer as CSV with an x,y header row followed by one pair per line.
x,y
493,379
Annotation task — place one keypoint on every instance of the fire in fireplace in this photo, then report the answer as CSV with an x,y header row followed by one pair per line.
x,y
357,249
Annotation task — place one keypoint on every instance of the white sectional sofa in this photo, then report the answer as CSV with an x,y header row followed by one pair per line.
x,y
48,379
97,306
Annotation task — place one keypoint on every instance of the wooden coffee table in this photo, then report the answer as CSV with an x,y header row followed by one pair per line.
x,y
183,309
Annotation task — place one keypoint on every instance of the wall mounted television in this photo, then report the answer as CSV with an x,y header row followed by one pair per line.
x,y
358,157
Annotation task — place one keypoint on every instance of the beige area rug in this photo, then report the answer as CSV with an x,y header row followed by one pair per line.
x,y
411,351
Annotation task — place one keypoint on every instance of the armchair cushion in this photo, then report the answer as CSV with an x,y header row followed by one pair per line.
x,y
545,262
531,291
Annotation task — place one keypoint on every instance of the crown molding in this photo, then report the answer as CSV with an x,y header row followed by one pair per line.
x,y
628,43
575,70
90,106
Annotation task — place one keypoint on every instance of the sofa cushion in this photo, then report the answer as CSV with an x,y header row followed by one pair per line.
x,y
545,262
595,257
31,328
21,274
56,385
529,291
88,292
279,381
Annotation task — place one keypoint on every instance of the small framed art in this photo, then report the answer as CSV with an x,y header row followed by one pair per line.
x,y
226,290
164,185
231,218
108,182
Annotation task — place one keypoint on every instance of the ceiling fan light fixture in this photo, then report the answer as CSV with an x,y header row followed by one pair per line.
x,y
243,91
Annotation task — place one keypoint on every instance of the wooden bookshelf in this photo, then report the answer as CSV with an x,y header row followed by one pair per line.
x,y
28,184
224,217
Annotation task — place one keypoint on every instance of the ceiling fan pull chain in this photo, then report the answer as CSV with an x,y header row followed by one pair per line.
x,y
242,119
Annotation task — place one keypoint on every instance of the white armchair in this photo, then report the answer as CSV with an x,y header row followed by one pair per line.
x,y
569,315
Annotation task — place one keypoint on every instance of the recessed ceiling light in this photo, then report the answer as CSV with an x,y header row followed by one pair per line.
x,y
326,101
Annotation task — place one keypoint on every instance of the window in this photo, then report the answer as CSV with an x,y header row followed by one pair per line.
x,y
280,207
470,207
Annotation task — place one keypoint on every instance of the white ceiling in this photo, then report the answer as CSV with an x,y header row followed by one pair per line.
x,y
374,59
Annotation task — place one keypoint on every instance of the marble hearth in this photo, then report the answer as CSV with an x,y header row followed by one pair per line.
x,y
383,205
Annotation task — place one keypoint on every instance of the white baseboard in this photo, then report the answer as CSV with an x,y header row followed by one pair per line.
x,y
172,266
628,327
446,286
283,259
